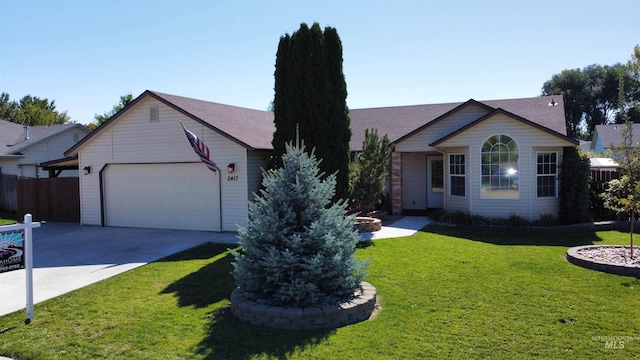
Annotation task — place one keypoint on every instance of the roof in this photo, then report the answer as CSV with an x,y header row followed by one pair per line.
x,y
254,129
64,163
611,134
511,115
400,121
12,136
603,163
250,128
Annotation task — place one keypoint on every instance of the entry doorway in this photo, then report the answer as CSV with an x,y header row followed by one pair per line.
x,y
435,182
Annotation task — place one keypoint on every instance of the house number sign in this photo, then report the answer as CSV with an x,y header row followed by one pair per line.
x,y
232,178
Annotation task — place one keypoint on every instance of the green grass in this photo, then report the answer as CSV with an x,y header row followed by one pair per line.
x,y
447,293
7,218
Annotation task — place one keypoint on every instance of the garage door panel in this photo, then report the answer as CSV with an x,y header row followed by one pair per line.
x,y
165,196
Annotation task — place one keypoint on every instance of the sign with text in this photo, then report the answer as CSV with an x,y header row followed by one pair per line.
x,y
11,251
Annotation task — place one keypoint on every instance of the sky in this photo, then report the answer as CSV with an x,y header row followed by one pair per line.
x,y
85,54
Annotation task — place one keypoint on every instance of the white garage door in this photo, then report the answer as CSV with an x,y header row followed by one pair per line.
x,y
162,196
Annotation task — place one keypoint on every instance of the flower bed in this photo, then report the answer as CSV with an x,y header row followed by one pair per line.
x,y
367,224
613,259
356,310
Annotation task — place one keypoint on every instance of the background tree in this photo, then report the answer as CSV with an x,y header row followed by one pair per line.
x,y
571,84
623,195
310,100
369,171
296,249
33,110
8,108
591,95
101,118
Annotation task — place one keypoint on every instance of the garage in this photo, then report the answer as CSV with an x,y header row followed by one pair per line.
x,y
182,196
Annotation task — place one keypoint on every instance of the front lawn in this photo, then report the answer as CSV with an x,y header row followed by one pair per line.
x,y
445,293
7,218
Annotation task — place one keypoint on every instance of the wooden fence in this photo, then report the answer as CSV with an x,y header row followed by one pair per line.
x,y
49,199
8,200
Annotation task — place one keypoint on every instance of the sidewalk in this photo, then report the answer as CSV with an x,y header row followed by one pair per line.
x,y
397,226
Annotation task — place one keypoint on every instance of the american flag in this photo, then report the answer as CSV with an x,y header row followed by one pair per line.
x,y
200,148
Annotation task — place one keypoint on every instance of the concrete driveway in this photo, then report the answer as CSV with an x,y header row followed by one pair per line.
x,y
69,256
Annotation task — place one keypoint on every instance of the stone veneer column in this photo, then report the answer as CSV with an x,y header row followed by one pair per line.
x,y
396,183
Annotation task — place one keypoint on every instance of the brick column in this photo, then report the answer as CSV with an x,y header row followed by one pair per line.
x,y
396,183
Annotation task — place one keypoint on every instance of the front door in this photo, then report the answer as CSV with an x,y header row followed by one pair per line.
x,y
435,181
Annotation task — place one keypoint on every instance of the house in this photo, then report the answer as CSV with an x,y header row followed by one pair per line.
x,y
142,172
24,149
493,158
607,136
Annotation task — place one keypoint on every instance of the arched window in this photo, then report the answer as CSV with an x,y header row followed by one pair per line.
x,y
500,176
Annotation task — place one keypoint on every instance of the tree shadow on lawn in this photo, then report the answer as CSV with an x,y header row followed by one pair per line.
x,y
506,236
209,284
227,338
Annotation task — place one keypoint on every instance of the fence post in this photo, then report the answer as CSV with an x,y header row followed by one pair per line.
x,y
28,265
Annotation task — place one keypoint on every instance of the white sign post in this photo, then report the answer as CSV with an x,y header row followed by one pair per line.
x,y
26,228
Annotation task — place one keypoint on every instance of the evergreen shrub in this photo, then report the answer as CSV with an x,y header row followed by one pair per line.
x,y
298,249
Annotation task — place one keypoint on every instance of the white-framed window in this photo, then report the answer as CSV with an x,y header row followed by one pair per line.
x,y
499,168
457,177
547,173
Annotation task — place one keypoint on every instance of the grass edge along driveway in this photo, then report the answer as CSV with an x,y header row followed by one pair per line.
x,y
445,293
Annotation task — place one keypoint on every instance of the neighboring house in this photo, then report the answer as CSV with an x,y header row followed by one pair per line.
x,y
23,149
492,158
607,136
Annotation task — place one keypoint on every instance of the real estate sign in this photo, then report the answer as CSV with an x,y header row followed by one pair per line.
x,y
11,251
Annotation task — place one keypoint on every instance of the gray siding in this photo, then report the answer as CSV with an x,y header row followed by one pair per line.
x,y
133,138
414,181
529,141
421,140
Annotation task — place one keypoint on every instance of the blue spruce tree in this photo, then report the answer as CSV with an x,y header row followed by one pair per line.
x,y
297,250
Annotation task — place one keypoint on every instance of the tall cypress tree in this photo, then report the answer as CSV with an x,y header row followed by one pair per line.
x,y
310,100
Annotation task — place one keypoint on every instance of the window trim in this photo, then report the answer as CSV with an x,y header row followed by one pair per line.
x,y
463,175
517,145
555,175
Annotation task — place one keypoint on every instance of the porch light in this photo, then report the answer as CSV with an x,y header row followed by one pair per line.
x,y
86,170
231,168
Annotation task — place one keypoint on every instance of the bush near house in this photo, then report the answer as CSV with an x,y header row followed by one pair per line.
x,y
298,250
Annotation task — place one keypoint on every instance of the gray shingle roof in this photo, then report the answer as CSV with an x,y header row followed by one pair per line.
x,y
254,128
399,121
12,139
610,134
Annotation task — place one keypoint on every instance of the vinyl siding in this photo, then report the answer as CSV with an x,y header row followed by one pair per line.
x,y
48,149
10,167
529,140
421,140
133,138
257,160
414,181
